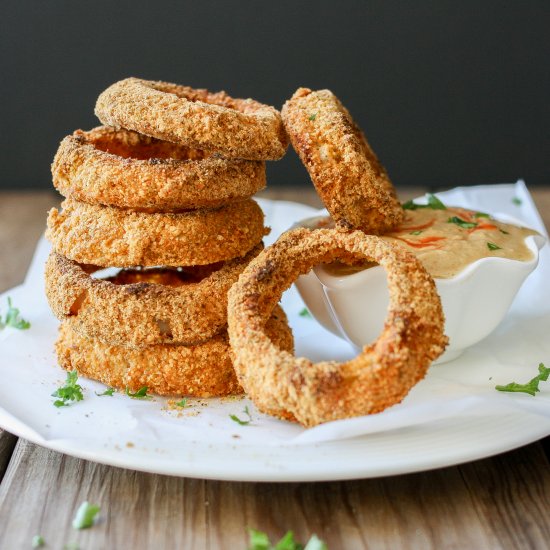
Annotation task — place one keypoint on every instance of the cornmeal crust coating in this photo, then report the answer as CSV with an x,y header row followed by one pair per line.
x,y
235,128
129,170
143,313
106,236
380,376
350,180
204,370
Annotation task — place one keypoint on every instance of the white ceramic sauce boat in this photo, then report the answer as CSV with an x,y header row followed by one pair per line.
x,y
475,301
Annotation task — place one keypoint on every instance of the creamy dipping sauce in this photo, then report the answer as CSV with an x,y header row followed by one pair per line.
x,y
447,240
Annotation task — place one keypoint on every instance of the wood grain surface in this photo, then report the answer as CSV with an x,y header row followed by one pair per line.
x,y
499,502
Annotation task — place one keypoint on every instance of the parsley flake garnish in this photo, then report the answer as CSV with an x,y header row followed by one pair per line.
x,y
461,223
516,201
433,202
85,515
140,394
532,387
313,116
258,540
182,403
415,232
503,232
38,541
288,543
13,319
481,215
71,391
315,543
236,419
493,246
109,392
305,313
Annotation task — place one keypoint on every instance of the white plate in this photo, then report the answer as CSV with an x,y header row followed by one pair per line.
x,y
453,416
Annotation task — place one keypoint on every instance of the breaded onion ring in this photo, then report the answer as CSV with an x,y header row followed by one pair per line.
x,y
129,170
236,128
204,370
107,236
141,308
380,376
350,180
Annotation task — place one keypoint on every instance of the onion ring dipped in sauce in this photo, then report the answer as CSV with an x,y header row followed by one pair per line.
x,y
380,376
346,173
137,308
129,170
198,118
201,370
106,236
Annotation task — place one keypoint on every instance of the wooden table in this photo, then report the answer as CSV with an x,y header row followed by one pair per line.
x,y
499,502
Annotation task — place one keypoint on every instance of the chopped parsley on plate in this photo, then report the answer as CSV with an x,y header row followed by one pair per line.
x,y
140,394
531,387
71,392
13,319
236,419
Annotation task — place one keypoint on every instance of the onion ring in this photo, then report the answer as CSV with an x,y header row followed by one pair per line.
x,y
236,128
129,170
380,376
144,312
350,180
106,236
204,370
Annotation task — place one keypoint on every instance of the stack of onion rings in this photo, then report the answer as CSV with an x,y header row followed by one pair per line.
x,y
235,128
350,180
129,170
383,373
163,192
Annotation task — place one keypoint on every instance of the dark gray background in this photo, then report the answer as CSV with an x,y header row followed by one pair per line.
x,y
448,93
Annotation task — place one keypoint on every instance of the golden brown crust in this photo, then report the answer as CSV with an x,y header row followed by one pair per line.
x,y
140,314
107,236
236,128
350,180
129,170
380,376
204,370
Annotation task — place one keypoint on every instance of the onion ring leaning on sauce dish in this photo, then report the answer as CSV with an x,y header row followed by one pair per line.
x,y
129,170
106,236
211,121
185,308
203,370
380,376
348,176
